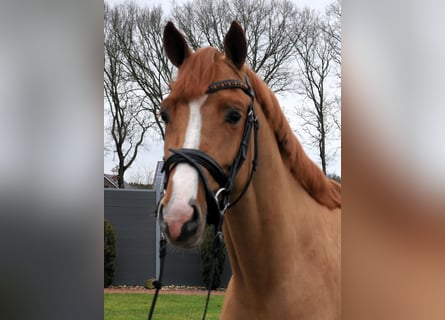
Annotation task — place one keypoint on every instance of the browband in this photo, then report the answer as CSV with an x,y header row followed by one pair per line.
x,y
231,84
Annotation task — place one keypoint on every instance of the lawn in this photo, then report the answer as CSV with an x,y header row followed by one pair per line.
x,y
135,306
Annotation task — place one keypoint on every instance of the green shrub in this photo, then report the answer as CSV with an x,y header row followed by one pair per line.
x,y
207,257
109,253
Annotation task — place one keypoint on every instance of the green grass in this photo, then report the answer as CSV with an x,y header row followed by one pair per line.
x,y
132,306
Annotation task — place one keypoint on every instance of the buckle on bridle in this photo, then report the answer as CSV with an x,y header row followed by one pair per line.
x,y
222,203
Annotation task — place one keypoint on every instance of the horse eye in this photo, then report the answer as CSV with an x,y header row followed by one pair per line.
x,y
164,116
233,117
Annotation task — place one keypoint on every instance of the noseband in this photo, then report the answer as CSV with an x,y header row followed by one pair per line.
x,y
218,202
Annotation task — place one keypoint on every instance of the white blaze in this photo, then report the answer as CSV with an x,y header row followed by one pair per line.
x,y
185,179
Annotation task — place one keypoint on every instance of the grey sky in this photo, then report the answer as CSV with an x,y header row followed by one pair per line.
x,y
166,4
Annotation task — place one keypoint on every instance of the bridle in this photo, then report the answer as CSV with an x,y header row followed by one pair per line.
x,y
217,201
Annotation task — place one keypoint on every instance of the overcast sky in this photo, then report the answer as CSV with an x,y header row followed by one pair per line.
x,y
166,4
153,152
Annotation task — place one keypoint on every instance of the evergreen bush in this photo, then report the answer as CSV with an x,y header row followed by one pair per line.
x,y
109,253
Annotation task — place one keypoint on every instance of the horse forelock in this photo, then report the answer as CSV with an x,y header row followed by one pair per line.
x,y
325,191
195,74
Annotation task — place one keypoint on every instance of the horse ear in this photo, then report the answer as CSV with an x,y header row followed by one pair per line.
x,y
175,46
235,45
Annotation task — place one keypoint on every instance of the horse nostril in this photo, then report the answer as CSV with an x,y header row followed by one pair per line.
x,y
190,227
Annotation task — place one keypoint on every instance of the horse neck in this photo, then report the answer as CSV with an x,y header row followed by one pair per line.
x,y
267,233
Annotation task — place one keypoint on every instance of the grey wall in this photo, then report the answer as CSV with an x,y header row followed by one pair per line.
x,y
183,267
132,215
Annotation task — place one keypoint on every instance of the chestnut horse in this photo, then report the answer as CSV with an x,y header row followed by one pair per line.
x,y
283,234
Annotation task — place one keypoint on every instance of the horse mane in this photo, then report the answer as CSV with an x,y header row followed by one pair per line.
x,y
325,191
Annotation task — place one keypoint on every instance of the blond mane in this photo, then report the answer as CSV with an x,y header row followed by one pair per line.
x,y
325,191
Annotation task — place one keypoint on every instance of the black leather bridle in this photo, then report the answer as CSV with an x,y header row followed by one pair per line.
x,y
217,201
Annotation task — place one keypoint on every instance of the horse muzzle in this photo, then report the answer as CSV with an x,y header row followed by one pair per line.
x,y
180,222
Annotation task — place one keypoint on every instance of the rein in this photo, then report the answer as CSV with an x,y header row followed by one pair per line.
x,y
217,202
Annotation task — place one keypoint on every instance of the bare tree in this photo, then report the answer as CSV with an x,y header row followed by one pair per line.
x,y
332,27
283,40
145,60
315,56
142,178
266,23
129,119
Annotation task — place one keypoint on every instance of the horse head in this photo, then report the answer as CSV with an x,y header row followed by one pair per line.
x,y
208,118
